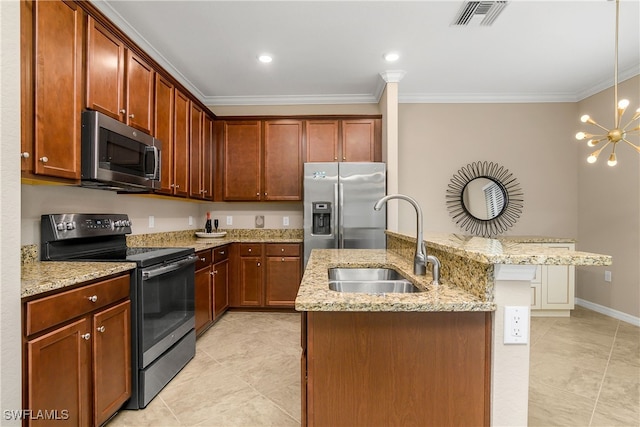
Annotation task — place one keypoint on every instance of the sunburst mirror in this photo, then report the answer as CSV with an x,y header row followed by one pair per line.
x,y
484,199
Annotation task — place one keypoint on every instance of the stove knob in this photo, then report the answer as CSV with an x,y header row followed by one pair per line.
x,y
126,223
118,223
61,226
70,226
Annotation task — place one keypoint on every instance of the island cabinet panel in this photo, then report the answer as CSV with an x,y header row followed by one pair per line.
x,y
397,368
52,36
284,271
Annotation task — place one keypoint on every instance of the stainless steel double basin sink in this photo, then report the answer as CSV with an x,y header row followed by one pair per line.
x,y
369,281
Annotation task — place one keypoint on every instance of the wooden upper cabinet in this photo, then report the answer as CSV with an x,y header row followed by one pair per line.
x,y
139,93
181,137
119,83
105,71
322,140
51,52
282,160
344,140
242,166
163,130
359,140
200,158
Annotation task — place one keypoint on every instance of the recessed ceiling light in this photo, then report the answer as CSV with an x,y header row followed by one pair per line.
x,y
265,58
391,56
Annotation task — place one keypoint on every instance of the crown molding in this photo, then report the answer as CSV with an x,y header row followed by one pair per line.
x,y
291,99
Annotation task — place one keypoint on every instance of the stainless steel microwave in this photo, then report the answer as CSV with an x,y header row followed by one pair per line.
x,y
118,157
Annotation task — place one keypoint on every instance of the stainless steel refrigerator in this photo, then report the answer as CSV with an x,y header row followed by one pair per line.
x,y
338,206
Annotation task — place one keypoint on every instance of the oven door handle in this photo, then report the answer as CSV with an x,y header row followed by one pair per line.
x,y
158,271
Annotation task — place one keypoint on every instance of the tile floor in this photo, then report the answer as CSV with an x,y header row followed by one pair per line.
x,y
585,371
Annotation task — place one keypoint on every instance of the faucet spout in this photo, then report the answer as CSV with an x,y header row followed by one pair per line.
x,y
420,257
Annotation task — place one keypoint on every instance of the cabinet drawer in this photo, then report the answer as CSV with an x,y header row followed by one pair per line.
x,y
204,259
55,309
250,249
220,254
283,249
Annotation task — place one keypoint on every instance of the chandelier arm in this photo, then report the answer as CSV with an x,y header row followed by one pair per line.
x,y
624,129
637,148
600,126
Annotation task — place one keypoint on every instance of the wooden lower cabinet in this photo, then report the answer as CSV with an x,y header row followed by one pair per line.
x,y
77,372
396,368
267,275
211,286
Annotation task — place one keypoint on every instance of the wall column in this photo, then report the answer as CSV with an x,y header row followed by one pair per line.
x,y
389,108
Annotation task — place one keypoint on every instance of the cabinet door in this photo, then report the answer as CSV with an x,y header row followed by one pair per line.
x,y
203,299
58,372
181,144
196,157
322,140
558,283
163,121
57,41
282,160
207,158
283,280
221,288
251,281
242,165
105,71
111,360
358,140
139,93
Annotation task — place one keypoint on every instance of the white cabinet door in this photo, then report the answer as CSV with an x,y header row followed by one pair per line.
x,y
558,282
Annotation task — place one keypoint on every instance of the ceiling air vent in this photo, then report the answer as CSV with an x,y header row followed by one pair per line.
x,y
479,13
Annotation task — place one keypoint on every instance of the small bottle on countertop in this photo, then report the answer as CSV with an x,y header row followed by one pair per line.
x,y
207,225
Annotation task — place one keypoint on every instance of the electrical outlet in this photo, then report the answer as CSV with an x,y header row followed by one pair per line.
x,y
516,324
190,220
152,221
229,220
285,220
607,276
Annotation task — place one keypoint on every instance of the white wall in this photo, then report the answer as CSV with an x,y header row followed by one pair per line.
x,y
534,141
10,337
609,209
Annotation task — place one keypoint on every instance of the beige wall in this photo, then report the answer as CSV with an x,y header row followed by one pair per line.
x,y
609,209
534,141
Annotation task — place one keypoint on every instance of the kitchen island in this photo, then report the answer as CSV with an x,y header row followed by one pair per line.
x,y
433,357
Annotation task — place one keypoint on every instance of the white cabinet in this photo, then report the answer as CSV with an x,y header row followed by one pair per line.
x,y
553,287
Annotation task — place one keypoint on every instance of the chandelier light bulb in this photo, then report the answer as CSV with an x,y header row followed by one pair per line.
x,y
623,104
580,136
585,118
612,160
592,158
592,143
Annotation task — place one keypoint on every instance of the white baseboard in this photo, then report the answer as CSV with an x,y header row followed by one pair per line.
x,y
609,311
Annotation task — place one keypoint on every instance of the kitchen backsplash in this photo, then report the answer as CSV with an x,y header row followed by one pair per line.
x,y
168,214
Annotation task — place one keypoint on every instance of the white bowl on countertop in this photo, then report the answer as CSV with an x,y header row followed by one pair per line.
x,y
212,235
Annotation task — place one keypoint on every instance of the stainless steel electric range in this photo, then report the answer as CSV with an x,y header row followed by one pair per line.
x,y
162,293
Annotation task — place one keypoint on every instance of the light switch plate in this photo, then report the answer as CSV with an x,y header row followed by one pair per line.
x,y
152,221
285,220
229,220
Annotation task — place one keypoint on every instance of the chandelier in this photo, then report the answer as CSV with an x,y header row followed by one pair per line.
x,y
617,133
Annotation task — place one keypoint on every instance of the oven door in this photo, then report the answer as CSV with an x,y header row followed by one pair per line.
x,y
166,307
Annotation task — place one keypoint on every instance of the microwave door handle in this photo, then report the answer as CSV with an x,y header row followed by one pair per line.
x,y
155,175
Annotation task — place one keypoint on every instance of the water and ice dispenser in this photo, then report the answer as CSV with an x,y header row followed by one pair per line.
x,y
321,218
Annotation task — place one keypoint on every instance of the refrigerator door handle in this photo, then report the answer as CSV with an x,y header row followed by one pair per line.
x,y
334,217
341,201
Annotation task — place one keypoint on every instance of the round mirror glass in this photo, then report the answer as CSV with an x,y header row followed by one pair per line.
x,y
483,198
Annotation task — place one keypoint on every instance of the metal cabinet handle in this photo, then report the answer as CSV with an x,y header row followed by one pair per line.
x,y
86,336
215,271
177,186
249,249
258,194
282,259
123,111
265,194
101,328
93,298
282,250
44,159
258,264
131,116
221,252
203,259
24,155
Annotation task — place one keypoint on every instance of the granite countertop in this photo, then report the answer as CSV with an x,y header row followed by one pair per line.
x,y
40,277
314,293
508,250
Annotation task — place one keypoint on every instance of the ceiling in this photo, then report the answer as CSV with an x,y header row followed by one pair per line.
x,y
332,51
